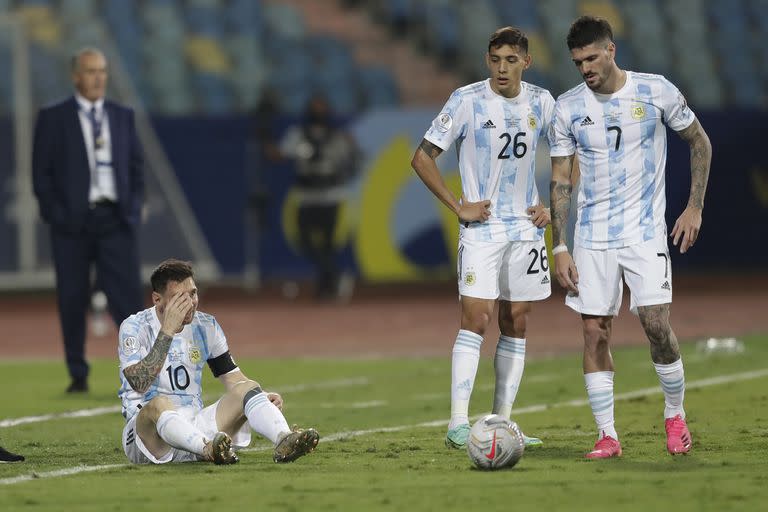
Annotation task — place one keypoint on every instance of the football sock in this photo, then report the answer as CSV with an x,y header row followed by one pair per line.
x,y
672,379
263,416
600,394
466,355
508,363
180,433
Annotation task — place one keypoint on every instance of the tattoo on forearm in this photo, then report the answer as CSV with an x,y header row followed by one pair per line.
x,y
701,157
560,205
430,149
655,320
142,374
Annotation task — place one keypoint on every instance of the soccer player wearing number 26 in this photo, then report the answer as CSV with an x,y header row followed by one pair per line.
x,y
496,125
162,352
615,123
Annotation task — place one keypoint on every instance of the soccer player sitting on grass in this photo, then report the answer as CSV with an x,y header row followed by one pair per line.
x,y
162,353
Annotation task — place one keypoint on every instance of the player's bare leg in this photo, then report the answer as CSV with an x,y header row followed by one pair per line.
x,y
509,361
247,402
160,427
475,317
665,354
598,377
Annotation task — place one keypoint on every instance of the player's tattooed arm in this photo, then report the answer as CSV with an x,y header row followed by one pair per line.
x,y
430,149
701,156
142,374
655,321
560,190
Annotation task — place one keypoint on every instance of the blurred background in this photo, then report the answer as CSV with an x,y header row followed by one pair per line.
x,y
217,83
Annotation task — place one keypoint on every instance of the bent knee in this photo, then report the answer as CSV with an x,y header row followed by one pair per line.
x,y
157,406
242,388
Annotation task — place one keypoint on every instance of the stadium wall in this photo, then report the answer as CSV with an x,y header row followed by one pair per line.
x,y
392,229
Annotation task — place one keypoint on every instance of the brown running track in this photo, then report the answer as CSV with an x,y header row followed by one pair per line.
x,y
407,320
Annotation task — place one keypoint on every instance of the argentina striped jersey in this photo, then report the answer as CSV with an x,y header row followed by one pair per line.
x,y
621,144
181,376
496,139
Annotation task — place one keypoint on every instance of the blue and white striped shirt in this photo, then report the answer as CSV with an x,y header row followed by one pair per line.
x,y
180,380
621,143
496,140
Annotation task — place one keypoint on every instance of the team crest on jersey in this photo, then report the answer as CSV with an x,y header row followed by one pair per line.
x,y
470,278
531,121
638,112
129,345
195,354
444,122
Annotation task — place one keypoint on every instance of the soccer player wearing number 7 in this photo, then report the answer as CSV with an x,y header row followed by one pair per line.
x,y
615,122
162,352
496,126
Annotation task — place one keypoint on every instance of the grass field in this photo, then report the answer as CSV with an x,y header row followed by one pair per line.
x,y
383,423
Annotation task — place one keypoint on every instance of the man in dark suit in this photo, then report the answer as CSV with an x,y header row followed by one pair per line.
x,y
87,168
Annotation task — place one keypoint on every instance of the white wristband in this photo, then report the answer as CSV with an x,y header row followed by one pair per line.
x,y
560,248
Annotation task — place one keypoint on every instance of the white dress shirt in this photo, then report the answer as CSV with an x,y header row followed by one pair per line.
x,y
99,159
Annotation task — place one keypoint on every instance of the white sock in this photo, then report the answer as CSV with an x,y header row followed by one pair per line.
x,y
508,363
180,433
600,394
466,355
672,379
264,417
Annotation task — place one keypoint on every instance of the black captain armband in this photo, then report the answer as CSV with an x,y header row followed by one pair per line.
x,y
222,364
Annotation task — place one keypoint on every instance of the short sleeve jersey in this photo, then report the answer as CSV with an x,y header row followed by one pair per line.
x,y
181,376
621,143
496,139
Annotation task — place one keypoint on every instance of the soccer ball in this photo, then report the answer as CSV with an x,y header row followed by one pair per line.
x,y
495,442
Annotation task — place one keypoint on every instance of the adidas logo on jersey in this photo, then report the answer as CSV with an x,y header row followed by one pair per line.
x,y
587,122
545,280
665,286
489,124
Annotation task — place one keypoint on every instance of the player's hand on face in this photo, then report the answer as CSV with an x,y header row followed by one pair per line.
x,y
276,399
175,312
539,215
686,229
473,212
566,273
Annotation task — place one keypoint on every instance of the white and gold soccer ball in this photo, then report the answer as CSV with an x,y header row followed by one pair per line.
x,y
495,442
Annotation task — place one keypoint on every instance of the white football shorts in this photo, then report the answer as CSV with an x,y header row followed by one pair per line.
x,y
645,267
512,271
204,419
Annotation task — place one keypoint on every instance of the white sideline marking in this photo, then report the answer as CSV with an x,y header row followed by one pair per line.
x,y
328,384
82,413
98,411
59,472
354,405
713,381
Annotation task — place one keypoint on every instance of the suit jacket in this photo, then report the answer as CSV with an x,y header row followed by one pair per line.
x,y
61,174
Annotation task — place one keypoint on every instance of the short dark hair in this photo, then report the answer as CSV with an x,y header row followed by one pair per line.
x,y
170,270
587,30
508,35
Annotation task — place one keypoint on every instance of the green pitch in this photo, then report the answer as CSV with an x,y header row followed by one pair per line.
x,y
383,423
